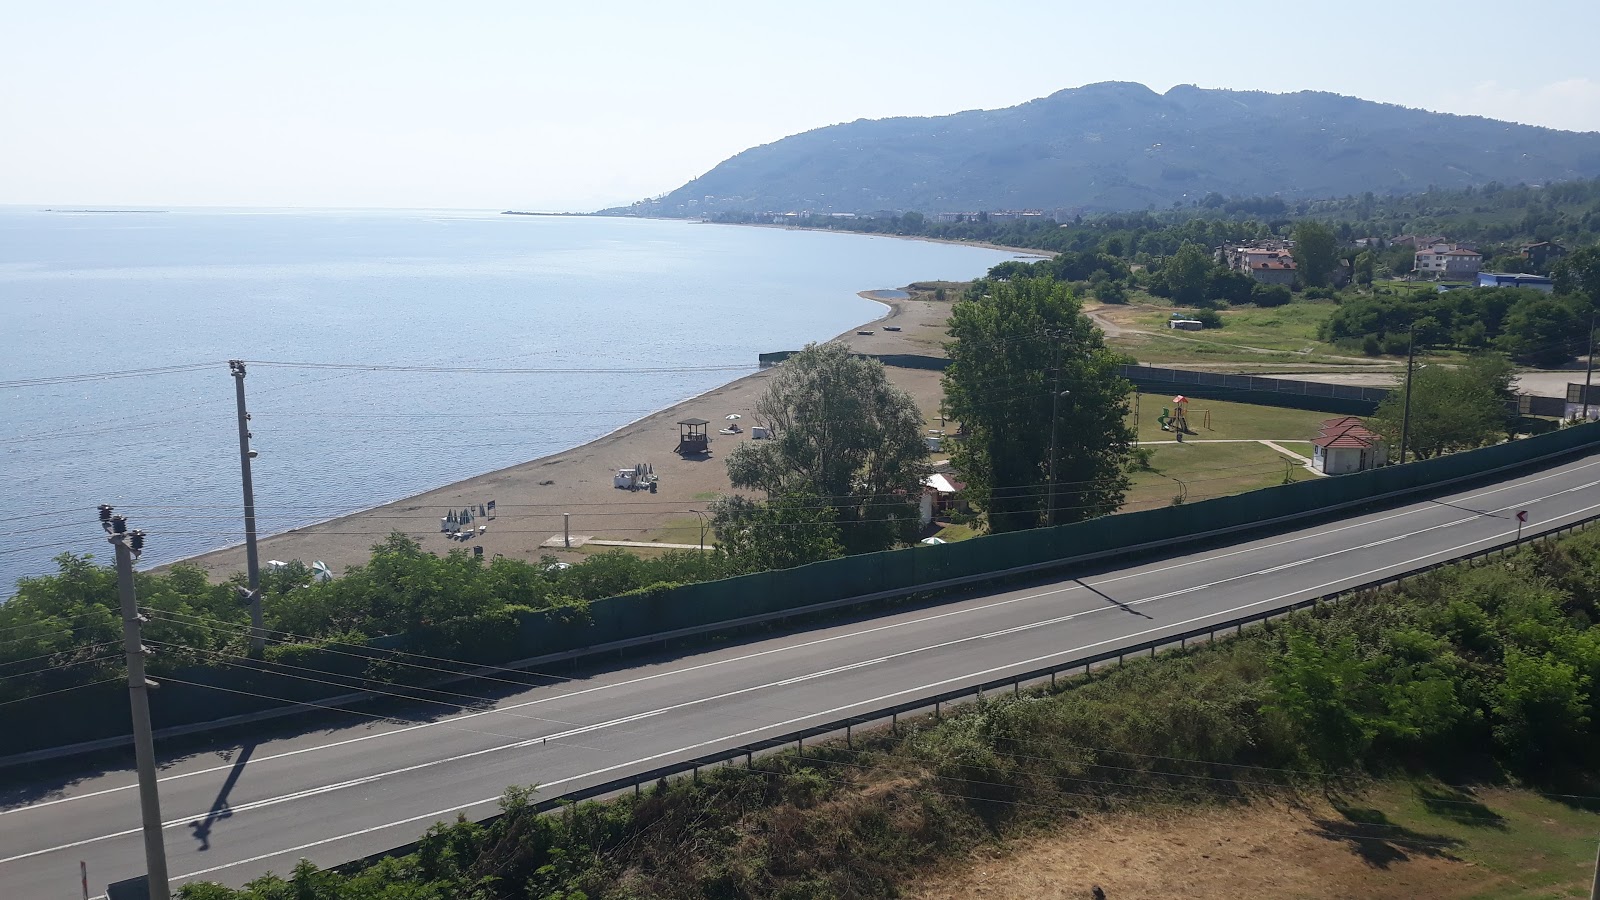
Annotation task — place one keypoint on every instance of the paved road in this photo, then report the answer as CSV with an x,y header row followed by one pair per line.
x,y
234,812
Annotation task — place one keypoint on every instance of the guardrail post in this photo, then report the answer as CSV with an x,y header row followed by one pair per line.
x,y
696,776
800,747
636,787
937,710
894,723
749,759
849,736
1016,687
1052,677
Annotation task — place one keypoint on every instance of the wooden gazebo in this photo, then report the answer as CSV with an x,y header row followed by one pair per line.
x,y
692,437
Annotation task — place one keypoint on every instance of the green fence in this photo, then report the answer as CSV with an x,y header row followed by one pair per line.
x,y
100,711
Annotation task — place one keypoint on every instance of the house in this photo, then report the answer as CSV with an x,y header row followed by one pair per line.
x,y
1512,279
1281,270
1346,445
939,494
1448,261
1543,253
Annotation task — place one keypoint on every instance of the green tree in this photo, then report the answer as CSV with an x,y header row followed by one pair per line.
x,y
786,531
1364,268
1001,387
1541,707
1316,252
1452,408
842,432
1187,273
1542,331
1579,275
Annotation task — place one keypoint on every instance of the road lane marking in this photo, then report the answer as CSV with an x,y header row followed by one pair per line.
x,y
447,722
786,682
875,701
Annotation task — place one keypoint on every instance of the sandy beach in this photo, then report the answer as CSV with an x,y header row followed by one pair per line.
x,y
531,497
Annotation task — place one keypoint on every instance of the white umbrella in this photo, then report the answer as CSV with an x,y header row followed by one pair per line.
x,y
321,572
733,416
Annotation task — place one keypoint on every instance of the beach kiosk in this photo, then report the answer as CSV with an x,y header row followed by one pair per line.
x,y
692,437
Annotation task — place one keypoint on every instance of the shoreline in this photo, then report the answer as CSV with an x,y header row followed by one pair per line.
x,y
1021,251
520,528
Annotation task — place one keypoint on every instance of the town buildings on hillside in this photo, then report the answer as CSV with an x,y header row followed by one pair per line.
x,y
1445,260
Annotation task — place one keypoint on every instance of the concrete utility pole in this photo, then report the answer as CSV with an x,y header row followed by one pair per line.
x,y
1405,417
252,562
1588,369
128,544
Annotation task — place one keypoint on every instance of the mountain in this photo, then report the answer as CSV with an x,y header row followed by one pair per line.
x,y
1120,146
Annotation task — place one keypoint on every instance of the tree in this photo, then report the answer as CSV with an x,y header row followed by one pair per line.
x,y
1451,408
843,433
786,531
1001,387
1186,273
1363,268
1542,331
1579,275
1316,252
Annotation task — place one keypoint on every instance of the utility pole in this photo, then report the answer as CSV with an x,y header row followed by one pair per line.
x,y
1055,410
128,544
252,562
1588,369
1405,417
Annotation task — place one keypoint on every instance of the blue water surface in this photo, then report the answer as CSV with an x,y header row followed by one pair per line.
x,y
84,292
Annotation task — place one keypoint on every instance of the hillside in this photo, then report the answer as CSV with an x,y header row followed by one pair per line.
x,y
1119,146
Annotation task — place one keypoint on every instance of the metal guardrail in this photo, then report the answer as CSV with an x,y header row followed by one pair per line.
x,y
935,703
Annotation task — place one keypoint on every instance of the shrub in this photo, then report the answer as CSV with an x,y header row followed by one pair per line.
x,y
1268,295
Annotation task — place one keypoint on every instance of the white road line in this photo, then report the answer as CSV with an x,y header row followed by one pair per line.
x,y
867,631
875,701
799,679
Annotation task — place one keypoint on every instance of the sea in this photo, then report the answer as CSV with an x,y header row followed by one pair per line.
x,y
420,313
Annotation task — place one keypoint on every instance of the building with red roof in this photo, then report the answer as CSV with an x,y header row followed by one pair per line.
x,y
1347,445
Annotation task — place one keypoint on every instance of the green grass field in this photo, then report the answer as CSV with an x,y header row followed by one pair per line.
x,y
1230,421
1203,471
1525,844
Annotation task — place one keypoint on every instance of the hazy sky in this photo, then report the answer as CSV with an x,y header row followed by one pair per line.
x,y
574,106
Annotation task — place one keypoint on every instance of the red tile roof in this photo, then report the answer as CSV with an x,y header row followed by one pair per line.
x,y
1347,431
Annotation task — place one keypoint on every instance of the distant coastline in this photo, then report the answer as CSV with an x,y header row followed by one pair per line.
x,y
103,210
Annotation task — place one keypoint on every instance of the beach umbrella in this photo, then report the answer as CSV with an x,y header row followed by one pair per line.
x,y
321,572
732,416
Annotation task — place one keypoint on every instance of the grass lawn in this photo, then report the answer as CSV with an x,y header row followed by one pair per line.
x,y
1524,843
1210,470
1230,421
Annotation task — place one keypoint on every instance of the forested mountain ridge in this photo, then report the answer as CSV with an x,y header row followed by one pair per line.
x,y
1120,146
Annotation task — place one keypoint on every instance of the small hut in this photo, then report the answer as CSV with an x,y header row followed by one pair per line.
x,y
692,437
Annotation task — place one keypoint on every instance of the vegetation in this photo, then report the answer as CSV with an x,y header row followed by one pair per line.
x,y
1023,355
1452,408
455,606
1122,146
1474,673
842,433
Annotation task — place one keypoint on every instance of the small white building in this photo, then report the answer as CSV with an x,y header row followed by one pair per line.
x,y
938,494
1347,445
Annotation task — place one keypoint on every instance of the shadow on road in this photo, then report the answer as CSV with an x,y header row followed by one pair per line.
x,y
1109,599
220,808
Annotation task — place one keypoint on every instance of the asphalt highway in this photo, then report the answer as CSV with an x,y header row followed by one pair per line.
x,y
236,811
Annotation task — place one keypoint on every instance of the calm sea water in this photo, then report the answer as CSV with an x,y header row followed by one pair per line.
x,y
103,292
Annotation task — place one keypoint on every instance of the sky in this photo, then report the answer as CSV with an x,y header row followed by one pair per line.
x,y
562,106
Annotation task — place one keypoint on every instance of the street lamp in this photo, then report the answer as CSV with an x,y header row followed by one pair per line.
x,y
703,524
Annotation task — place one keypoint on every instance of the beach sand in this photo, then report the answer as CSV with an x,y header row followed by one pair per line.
x,y
531,497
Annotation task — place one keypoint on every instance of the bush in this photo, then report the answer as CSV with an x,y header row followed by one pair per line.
x,y
1210,318
1268,295
1320,293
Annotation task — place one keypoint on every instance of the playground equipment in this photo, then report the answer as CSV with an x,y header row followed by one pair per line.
x,y
1176,418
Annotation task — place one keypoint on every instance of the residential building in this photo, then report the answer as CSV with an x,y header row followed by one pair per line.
x,y
1448,261
1274,271
1543,253
1347,445
1512,279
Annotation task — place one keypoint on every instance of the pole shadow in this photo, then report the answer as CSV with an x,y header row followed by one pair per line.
x,y
220,808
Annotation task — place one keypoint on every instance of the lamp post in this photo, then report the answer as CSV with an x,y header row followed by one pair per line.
x,y
703,524
1588,368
